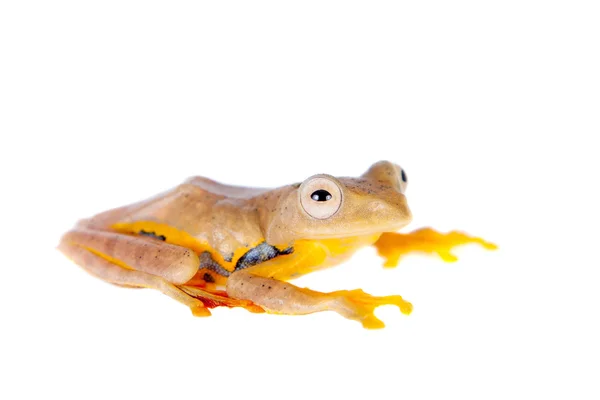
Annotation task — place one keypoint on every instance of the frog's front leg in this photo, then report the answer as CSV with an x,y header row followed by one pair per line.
x,y
392,246
284,298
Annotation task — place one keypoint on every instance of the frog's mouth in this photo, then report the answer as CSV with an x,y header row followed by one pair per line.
x,y
350,233
375,217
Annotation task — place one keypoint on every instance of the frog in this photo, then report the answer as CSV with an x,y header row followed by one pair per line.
x,y
207,244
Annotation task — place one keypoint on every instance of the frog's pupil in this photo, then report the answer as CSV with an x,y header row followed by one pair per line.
x,y
321,195
403,176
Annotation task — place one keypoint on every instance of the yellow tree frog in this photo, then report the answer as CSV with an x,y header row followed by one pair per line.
x,y
207,244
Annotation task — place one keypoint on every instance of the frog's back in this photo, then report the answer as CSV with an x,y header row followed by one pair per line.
x,y
222,216
227,191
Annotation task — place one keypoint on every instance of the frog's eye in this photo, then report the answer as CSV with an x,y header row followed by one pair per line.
x,y
402,179
320,197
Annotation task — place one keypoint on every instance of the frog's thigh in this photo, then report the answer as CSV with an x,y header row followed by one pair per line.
x,y
113,273
175,264
134,261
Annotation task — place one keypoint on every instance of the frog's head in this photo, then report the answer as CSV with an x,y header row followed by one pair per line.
x,y
325,207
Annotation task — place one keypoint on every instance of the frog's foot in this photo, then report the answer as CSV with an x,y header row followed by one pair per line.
x,y
392,246
360,306
218,298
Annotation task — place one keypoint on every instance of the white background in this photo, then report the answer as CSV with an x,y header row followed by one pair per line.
x,y
491,107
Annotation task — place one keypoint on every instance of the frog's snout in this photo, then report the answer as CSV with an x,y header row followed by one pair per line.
x,y
393,212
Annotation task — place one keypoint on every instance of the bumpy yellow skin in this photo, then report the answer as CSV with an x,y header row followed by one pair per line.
x,y
163,242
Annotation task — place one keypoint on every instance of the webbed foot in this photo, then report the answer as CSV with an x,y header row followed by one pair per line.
x,y
217,298
360,306
392,246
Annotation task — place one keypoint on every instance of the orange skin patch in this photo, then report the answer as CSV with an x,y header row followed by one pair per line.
x,y
392,246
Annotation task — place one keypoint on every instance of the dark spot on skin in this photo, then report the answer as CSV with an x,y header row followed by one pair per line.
x,y
269,287
152,235
263,285
208,278
404,178
289,250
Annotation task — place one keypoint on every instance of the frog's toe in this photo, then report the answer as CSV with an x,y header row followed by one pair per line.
x,y
447,256
200,311
457,238
391,259
372,322
360,306
404,306
487,245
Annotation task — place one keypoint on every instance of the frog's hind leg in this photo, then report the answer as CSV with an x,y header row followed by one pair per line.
x,y
392,246
218,298
119,259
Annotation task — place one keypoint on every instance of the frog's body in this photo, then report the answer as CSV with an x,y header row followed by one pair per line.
x,y
201,234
